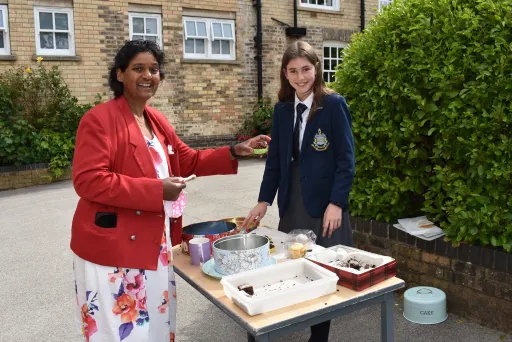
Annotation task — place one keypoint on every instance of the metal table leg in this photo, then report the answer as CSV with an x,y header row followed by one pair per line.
x,y
261,338
386,318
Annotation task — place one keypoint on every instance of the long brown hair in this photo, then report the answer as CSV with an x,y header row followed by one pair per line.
x,y
296,49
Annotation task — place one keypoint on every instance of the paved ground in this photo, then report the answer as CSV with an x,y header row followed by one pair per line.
x,y
37,297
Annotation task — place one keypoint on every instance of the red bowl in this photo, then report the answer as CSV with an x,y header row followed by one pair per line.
x,y
212,230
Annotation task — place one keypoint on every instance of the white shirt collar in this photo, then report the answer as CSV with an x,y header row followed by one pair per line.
x,y
308,101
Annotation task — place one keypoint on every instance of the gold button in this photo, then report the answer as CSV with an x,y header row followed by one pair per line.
x,y
132,237
137,212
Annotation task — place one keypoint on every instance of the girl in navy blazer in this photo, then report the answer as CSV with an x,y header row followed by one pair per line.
x,y
310,158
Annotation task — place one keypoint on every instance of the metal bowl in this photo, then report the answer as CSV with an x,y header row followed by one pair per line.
x,y
238,221
241,252
212,230
241,242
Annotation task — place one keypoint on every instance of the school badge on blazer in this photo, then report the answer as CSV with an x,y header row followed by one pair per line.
x,y
320,143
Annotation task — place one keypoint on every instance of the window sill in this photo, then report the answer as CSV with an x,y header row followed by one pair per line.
x,y
8,58
210,61
318,10
57,58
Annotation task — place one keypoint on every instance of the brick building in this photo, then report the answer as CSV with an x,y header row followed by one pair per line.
x,y
212,73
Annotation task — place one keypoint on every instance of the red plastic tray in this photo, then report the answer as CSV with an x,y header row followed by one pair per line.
x,y
359,282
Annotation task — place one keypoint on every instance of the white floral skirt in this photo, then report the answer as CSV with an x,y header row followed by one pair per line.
x,y
130,305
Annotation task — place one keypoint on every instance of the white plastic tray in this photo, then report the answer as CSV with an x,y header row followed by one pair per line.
x,y
280,285
344,253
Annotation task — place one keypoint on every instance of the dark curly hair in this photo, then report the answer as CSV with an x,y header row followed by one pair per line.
x,y
124,56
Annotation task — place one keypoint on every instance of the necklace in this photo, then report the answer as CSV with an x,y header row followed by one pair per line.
x,y
140,122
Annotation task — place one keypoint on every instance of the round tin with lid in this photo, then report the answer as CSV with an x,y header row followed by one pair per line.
x,y
425,305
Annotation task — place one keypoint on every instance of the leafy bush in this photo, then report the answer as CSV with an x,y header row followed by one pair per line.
x,y
260,122
430,88
38,118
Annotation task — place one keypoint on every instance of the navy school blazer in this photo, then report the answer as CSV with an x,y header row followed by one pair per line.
x,y
327,160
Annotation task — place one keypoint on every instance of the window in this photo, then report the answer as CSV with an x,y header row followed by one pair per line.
x,y
146,26
384,3
5,48
209,38
332,58
54,31
330,5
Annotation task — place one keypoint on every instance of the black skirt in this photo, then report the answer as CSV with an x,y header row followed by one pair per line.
x,y
297,217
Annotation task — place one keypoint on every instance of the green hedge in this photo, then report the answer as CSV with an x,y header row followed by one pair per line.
x,y
38,118
429,84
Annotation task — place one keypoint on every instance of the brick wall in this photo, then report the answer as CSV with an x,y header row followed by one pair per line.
x,y
477,280
204,99
28,175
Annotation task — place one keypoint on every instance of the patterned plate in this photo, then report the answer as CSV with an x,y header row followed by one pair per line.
x,y
209,268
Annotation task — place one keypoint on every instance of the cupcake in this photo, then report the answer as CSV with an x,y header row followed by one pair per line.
x,y
297,250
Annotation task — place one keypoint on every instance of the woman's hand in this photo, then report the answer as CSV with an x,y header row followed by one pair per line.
x,y
332,219
246,148
255,215
173,187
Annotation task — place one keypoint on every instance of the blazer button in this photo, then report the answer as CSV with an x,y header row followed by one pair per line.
x,y
174,221
137,212
132,237
302,178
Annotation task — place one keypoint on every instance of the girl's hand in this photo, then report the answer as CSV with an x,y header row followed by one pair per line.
x,y
332,219
173,187
255,215
246,148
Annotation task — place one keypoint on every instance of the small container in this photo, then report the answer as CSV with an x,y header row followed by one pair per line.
x,y
241,252
212,230
280,285
425,305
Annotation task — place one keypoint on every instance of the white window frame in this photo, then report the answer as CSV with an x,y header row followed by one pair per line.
x,y
145,16
334,7
331,44
71,31
384,3
6,50
209,39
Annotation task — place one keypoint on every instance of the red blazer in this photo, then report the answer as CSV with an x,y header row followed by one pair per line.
x,y
113,172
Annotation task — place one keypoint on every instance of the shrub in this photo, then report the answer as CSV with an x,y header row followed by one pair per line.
x,y
260,122
38,118
430,89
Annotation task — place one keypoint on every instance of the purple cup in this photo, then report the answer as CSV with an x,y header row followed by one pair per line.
x,y
200,250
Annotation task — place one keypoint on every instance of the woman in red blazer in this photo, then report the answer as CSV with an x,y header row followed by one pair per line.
x,y
127,169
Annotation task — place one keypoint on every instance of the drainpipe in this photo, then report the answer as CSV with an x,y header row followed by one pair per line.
x,y
294,13
295,31
258,43
363,10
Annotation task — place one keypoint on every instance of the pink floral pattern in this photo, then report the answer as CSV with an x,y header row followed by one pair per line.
x,y
179,205
165,256
89,327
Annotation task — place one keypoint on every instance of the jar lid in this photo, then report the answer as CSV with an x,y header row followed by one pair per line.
x,y
425,294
